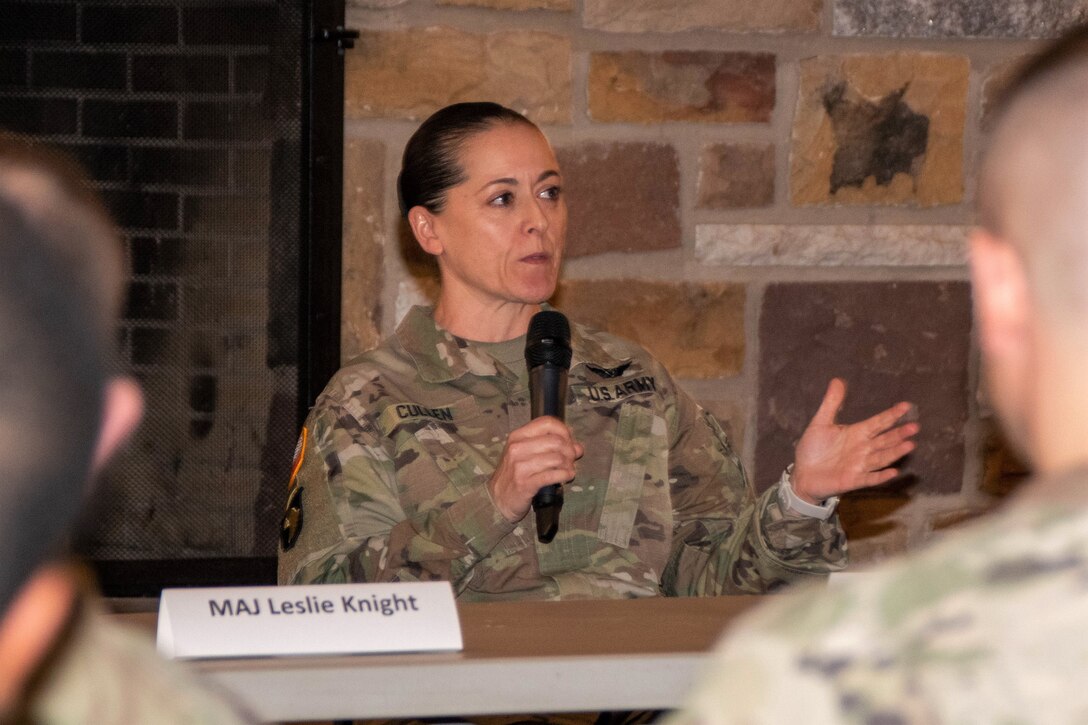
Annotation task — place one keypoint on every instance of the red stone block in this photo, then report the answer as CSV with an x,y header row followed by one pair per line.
x,y
890,342
622,197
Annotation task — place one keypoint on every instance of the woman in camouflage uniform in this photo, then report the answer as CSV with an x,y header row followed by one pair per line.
x,y
419,460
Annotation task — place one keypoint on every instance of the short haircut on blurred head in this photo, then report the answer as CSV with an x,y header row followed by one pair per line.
x,y
1033,181
60,289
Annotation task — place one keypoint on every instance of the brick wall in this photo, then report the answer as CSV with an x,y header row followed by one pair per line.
x,y
765,194
172,109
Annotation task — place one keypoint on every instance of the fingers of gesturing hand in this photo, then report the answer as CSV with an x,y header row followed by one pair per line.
x,y
891,445
888,447
888,419
832,402
887,456
875,478
832,459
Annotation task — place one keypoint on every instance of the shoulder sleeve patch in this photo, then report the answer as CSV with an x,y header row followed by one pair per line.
x,y
291,522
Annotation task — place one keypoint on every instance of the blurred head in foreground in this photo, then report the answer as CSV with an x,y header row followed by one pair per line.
x,y
62,413
1029,257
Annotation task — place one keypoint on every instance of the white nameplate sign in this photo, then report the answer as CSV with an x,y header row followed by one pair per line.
x,y
308,620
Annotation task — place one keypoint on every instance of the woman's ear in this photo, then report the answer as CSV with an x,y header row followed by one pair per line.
x,y
422,222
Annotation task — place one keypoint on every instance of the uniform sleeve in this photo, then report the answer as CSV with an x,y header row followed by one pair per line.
x,y
354,528
727,540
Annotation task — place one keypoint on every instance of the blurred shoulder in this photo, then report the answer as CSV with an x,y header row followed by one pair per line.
x,y
107,672
947,634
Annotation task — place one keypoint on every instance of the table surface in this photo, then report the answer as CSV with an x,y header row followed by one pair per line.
x,y
518,657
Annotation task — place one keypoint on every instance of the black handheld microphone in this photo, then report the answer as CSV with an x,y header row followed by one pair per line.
x,y
547,355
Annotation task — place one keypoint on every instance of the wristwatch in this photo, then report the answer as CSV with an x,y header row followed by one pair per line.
x,y
792,502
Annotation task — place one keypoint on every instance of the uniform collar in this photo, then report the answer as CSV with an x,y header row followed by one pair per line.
x,y
440,356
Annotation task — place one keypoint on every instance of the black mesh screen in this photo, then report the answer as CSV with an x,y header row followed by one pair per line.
x,y
188,117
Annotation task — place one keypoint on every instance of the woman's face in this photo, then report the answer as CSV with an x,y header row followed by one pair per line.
x,y
501,233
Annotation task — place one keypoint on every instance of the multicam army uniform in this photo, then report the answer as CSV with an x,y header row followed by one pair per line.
x,y
106,674
987,626
399,447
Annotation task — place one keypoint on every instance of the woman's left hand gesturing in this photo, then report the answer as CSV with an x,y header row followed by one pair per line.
x,y
831,459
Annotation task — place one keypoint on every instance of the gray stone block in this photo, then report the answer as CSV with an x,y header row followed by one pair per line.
x,y
957,18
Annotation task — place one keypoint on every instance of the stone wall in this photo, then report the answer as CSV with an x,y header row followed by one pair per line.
x,y
765,194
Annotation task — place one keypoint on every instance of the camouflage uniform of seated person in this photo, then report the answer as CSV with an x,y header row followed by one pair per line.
x,y
419,460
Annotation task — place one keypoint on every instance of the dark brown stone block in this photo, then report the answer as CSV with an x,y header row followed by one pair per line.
x,y
622,197
735,176
890,342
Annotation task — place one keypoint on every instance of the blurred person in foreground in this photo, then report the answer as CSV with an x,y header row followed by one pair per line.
x,y
987,625
62,414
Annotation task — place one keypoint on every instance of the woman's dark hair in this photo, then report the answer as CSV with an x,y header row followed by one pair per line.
x,y
429,167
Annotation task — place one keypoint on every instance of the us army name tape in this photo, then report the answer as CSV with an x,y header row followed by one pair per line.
x,y
308,620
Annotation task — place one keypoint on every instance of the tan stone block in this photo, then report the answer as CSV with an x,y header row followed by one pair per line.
x,y
736,176
364,240
696,330
411,73
681,86
655,16
558,5
621,197
880,129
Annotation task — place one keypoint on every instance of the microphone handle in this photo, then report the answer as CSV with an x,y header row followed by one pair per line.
x,y
547,393
547,502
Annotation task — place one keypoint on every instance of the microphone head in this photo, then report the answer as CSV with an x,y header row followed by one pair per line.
x,y
548,340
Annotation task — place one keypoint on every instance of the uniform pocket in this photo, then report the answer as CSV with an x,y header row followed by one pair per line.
x,y
452,439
